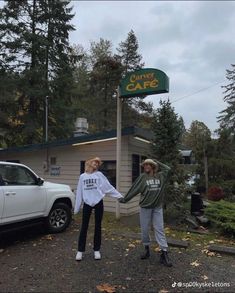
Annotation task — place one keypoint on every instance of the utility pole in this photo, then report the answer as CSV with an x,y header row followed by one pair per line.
x,y
118,148
46,134
46,119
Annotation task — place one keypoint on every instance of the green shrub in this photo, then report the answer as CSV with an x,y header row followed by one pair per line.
x,y
222,215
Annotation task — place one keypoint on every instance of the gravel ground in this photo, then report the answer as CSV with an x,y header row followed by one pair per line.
x,y
34,262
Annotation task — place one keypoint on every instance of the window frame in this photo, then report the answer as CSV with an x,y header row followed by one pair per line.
x,y
136,173
28,171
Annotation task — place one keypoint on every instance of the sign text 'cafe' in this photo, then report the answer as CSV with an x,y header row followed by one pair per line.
x,y
147,81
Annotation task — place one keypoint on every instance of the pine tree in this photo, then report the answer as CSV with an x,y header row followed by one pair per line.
x,y
34,43
131,60
168,129
227,116
104,78
198,138
128,53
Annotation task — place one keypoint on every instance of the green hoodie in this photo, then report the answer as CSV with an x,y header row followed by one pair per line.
x,y
150,188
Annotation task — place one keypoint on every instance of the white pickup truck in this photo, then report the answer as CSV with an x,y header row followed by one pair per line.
x,y
26,199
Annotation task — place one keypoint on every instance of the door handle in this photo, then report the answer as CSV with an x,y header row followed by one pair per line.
x,y
10,193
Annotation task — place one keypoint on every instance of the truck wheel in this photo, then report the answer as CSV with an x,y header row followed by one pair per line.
x,y
59,218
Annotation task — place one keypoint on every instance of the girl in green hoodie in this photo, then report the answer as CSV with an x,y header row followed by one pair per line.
x,y
150,185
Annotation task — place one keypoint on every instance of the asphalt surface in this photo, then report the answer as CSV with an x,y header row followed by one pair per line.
x,y
31,261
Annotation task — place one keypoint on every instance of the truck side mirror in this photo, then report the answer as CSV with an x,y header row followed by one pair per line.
x,y
40,181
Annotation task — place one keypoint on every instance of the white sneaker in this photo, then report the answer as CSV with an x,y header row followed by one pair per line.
x,y
97,255
79,256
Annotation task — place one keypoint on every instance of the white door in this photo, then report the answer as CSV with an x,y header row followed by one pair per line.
x,y
23,197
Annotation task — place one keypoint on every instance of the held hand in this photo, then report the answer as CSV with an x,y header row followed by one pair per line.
x,y
121,200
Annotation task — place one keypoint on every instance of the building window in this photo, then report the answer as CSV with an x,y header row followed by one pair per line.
x,y
136,166
53,161
82,167
108,168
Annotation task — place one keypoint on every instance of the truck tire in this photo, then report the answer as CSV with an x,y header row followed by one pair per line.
x,y
59,218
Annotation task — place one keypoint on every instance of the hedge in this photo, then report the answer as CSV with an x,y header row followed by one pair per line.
x,y
222,215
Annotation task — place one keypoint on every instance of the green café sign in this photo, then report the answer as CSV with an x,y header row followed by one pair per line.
x,y
142,82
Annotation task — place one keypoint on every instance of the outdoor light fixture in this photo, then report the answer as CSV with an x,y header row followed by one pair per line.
x,y
108,139
94,141
142,139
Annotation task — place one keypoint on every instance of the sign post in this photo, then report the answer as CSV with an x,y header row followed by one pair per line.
x,y
118,148
141,82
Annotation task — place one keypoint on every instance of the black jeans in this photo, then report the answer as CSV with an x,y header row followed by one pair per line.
x,y
87,210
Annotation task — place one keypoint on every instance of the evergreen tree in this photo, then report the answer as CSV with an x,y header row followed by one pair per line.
x,y
131,59
222,159
104,76
227,116
168,129
198,138
128,53
34,44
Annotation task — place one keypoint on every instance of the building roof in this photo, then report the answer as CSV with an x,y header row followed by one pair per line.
x,y
135,131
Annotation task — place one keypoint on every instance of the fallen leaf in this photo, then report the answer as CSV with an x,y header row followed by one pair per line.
x,y
211,242
211,253
208,252
157,249
204,277
195,263
131,245
48,237
106,288
219,240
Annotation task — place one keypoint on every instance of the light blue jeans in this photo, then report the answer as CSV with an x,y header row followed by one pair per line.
x,y
154,217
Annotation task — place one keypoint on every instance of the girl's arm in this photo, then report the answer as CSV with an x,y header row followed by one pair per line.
x,y
165,170
106,187
135,189
79,196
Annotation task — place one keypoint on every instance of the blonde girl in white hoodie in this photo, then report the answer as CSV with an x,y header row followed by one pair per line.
x,y
92,187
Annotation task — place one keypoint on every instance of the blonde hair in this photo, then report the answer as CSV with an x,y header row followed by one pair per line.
x,y
88,163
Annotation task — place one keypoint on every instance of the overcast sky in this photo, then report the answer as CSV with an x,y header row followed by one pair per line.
x,y
193,42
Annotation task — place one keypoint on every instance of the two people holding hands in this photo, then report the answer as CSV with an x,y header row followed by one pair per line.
x,y
93,186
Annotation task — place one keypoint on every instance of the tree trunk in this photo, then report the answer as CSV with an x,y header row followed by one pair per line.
x,y
206,170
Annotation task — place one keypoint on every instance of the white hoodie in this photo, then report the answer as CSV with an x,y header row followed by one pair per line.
x,y
92,187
